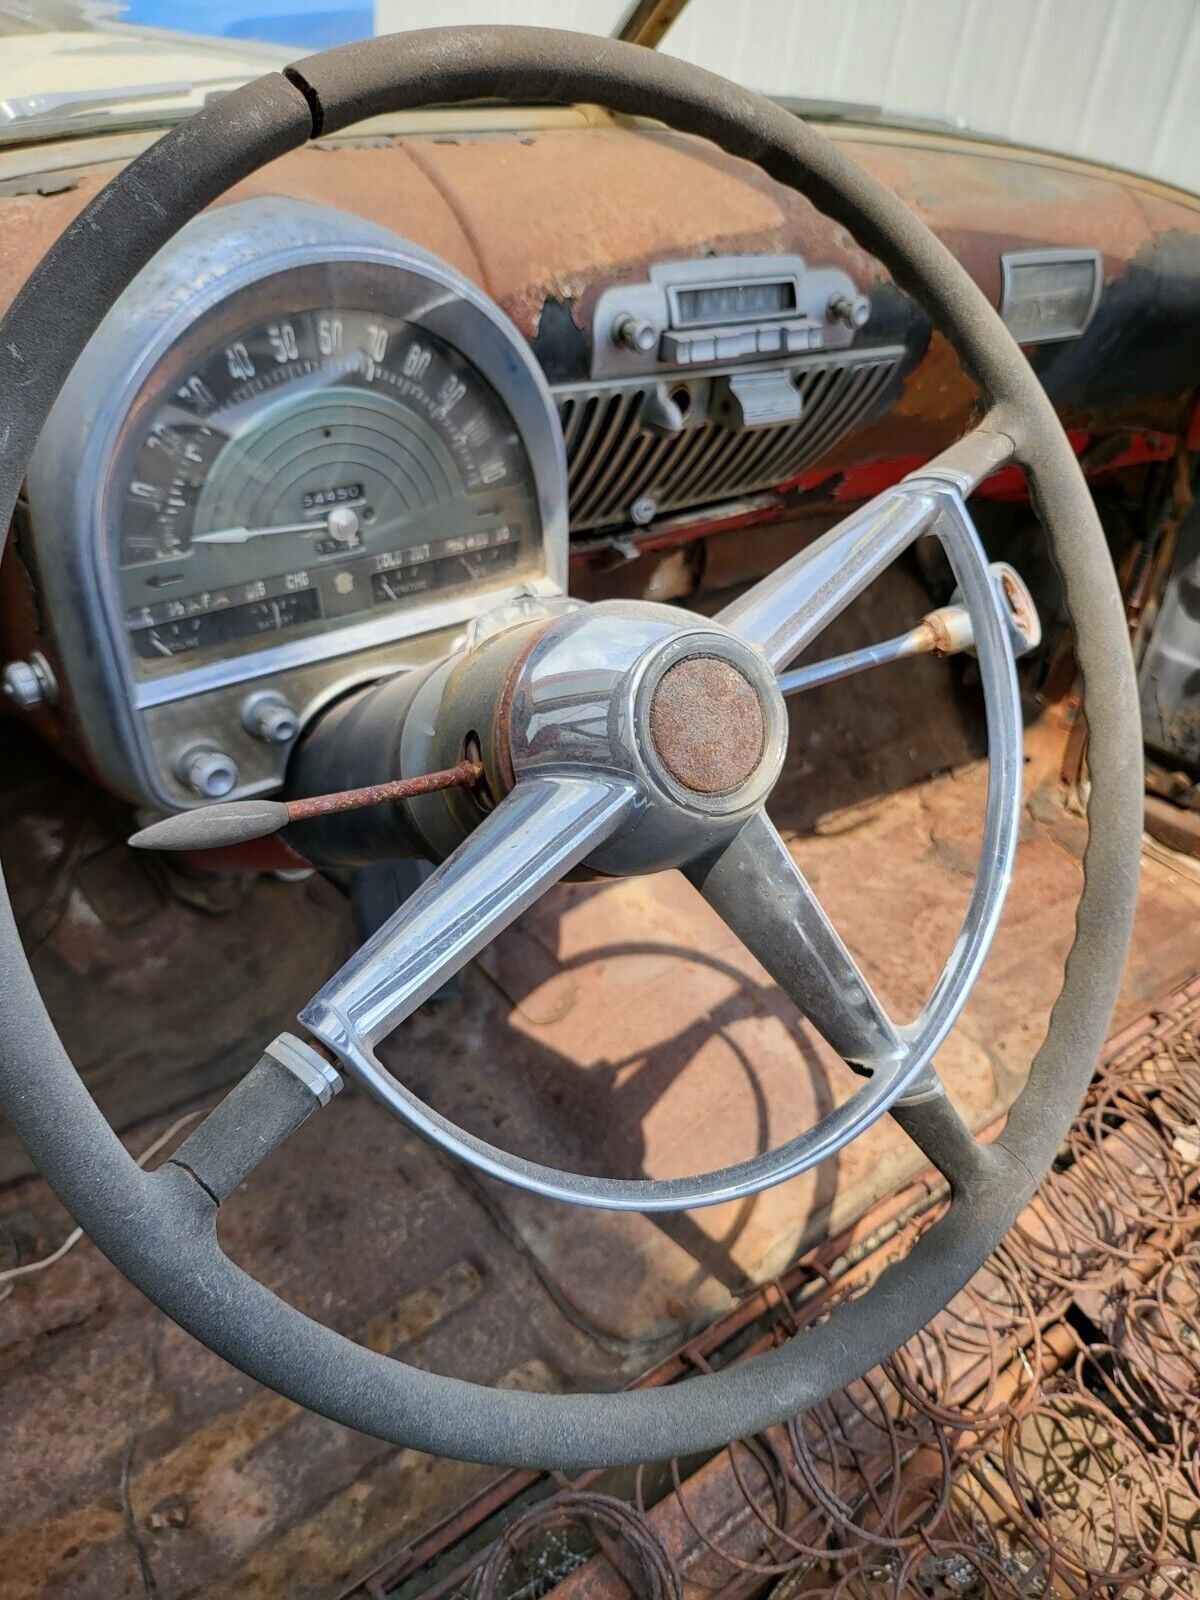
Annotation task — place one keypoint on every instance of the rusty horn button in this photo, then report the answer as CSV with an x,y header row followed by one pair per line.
x,y
707,725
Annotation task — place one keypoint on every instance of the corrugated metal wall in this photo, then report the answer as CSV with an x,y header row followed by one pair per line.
x,y
1116,81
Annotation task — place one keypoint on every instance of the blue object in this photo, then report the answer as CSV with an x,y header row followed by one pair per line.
x,y
311,24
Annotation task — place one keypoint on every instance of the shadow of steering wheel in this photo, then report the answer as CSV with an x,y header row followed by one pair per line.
x,y
571,1098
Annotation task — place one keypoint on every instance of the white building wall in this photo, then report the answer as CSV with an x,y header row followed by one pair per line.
x,y
1115,81
582,16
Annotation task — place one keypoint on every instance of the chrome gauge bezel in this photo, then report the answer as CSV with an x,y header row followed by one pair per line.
x,y
132,727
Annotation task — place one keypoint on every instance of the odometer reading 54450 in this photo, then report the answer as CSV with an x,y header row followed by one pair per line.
x,y
313,465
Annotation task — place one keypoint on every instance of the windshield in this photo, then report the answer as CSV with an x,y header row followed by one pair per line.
x,y
1109,81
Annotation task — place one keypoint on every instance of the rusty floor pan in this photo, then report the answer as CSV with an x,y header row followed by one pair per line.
x,y
617,1029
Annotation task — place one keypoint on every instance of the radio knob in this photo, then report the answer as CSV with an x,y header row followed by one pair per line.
x,y
635,333
853,310
209,773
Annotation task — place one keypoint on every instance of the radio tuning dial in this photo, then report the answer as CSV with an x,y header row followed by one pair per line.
x,y
635,333
852,310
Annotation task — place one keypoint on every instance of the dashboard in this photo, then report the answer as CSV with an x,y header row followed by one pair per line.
x,y
396,384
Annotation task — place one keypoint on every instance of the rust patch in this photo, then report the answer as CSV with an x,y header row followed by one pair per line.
x,y
707,725
1177,828
1020,604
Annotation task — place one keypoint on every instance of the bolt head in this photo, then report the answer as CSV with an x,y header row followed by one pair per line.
x,y
21,685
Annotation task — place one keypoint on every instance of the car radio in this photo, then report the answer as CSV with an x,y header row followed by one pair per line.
x,y
723,309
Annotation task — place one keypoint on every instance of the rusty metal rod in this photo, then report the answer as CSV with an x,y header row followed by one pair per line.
x,y
463,776
942,633
239,821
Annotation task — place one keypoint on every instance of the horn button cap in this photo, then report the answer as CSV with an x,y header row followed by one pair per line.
x,y
673,703
707,724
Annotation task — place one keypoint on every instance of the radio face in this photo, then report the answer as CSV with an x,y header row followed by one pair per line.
x,y
723,309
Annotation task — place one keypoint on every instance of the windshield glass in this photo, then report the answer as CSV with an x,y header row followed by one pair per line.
x,y
85,66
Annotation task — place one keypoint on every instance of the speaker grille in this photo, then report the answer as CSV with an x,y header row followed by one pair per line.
x,y
613,461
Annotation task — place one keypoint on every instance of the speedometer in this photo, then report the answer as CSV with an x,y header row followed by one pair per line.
x,y
299,452
307,467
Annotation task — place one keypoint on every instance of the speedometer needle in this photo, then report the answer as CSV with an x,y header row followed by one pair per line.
x,y
240,535
341,524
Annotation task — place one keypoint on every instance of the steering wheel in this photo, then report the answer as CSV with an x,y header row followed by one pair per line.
x,y
639,738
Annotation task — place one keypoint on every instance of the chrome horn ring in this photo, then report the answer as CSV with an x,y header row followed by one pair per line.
x,y
606,779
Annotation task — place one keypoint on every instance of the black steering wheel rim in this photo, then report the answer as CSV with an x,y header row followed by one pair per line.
x,y
159,1229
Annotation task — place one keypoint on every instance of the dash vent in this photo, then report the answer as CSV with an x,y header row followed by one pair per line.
x,y
614,461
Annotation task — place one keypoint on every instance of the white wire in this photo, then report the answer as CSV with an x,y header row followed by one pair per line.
x,y
76,1234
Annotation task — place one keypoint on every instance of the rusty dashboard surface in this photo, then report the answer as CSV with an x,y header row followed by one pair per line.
x,y
546,219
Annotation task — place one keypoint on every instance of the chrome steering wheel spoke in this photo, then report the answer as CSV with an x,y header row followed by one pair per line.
x,y
546,826
761,894
785,612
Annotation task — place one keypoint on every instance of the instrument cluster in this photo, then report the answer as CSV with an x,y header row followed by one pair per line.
x,y
311,454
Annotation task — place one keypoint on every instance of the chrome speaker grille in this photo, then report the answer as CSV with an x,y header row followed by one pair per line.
x,y
614,461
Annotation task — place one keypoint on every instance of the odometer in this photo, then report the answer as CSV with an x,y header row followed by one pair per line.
x,y
333,451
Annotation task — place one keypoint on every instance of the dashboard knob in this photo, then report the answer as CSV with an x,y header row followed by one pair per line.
x,y
635,333
209,773
270,718
28,684
853,310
